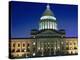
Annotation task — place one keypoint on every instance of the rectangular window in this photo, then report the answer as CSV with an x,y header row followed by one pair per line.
x,y
28,50
23,50
28,47
67,43
18,50
75,47
71,48
13,50
67,48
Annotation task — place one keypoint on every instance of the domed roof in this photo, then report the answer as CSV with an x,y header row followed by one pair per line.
x,y
48,20
48,12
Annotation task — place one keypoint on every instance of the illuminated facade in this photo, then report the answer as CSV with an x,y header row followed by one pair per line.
x,y
20,47
71,44
47,41
29,47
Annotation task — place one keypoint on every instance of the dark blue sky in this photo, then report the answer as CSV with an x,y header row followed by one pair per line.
x,y
26,16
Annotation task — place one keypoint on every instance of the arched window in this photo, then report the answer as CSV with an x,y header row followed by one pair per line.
x,y
70,43
23,45
74,43
18,45
14,45
28,44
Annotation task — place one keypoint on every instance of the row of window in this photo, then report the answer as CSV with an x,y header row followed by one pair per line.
x,y
57,43
23,50
67,48
47,44
28,50
20,44
70,43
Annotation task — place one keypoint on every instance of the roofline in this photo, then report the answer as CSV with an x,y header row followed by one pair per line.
x,y
21,38
70,37
34,38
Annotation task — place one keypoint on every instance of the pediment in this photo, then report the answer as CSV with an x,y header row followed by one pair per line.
x,y
48,33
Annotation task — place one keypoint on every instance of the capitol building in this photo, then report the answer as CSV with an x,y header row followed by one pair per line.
x,y
48,40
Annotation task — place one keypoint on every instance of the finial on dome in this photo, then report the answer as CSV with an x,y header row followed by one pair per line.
x,y
48,7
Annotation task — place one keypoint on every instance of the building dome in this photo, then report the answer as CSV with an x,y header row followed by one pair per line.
x,y
48,20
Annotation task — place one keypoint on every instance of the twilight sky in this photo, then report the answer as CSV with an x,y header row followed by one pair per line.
x,y
26,16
